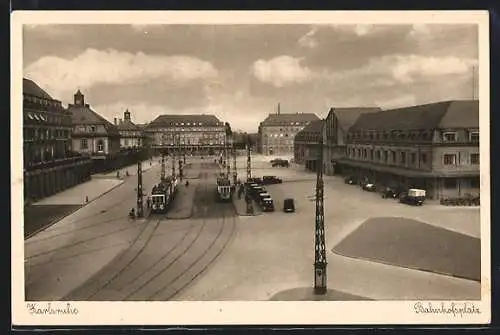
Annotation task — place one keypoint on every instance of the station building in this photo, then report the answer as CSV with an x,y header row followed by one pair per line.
x,y
191,134
50,161
433,147
306,145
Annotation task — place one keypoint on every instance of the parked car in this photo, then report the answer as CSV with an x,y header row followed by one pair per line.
x,y
369,187
390,192
280,162
267,205
268,180
289,205
255,180
415,197
351,180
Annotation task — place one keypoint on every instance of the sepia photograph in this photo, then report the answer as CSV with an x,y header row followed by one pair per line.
x,y
168,162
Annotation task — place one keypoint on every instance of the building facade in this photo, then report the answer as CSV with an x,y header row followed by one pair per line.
x,y
93,135
50,165
433,147
277,132
337,125
191,134
306,145
131,134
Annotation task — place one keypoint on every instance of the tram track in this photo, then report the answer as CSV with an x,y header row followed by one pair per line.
x,y
119,264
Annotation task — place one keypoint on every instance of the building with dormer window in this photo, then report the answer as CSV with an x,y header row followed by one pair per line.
x,y
131,134
50,164
93,135
193,134
433,147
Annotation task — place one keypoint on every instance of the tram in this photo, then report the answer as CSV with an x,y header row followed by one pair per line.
x,y
163,195
223,189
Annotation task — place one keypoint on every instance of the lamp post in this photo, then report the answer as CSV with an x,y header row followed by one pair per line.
x,y
139,190
249,176
320,263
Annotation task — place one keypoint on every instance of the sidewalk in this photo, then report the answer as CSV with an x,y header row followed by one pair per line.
x,y
132,170
182,208
77,195
240,206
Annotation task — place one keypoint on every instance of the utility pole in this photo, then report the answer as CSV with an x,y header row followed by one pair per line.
x,y
473,83
139,190
235,173
249,175
228,166
162,167
319,240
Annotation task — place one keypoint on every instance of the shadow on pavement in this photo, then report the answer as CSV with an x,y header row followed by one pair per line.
x,y
307,294
416,245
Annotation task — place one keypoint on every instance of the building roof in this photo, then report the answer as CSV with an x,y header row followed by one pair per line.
x,y
31,88
347,116
172,119
314,129
85,115
128,125
283,118
459,113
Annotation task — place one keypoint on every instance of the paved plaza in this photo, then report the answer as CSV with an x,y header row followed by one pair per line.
x,y
377,249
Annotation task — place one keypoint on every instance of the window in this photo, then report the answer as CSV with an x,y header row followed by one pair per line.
x,y
474,159
474,182
403,158
100,145
371,154
84,144
386,156
474,136
377,155
449,137
450,159
450,183
413,158
393,153
423,158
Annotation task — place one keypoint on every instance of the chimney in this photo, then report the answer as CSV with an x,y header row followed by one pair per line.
x,y
116,121
278,108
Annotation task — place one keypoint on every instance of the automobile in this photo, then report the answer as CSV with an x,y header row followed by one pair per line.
x,y
268,180
263,195
390,192
369,187
255,180
351,180
415,197
280,163
288,205
267,205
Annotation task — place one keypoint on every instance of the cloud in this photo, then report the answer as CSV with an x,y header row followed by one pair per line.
x,y
113,67
281,71
308,40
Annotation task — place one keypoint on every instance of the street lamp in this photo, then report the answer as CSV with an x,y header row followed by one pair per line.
x,y
320,284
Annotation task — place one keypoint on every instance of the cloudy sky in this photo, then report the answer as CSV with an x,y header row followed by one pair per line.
x,y
240,72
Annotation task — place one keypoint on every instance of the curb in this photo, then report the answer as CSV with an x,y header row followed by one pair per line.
x,y
70,213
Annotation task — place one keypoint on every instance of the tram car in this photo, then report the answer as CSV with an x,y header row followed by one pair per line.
x,y
163,195
223,189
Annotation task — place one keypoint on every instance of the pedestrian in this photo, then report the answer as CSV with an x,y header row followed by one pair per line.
x,y
148,203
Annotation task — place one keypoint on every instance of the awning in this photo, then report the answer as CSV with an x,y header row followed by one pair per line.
x,y
408,173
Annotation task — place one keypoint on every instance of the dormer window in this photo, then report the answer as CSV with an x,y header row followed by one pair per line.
x,y
449,137
474,136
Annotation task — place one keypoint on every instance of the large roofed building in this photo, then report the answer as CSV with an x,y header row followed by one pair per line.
x,y
433,147
306,145
93,135
50,165
194,134
337,124
277,132
131,134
